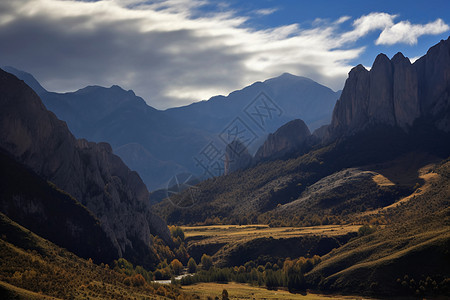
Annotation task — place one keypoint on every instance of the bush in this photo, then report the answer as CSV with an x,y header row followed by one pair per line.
x,y
366,230
177,232
206,262
224,295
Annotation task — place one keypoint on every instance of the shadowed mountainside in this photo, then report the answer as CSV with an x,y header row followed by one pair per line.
x,y
89,172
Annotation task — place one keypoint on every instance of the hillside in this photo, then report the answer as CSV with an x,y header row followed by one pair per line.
x,y
34,268
385,262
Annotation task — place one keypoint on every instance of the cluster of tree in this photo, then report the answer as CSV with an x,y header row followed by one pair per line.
x,y
135,275
274,219
436,285
171,260
289,275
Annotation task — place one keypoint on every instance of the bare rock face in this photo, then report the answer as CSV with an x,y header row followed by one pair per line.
x,y
88,171
433,70
395,93
351,110
288,138
405,91
381,102
236,157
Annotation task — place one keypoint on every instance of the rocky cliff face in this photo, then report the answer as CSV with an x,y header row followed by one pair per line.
x,y
51,213
396,93
288,138
433,71
88,171
236,157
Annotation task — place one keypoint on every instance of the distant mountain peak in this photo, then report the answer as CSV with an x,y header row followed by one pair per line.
x,y
287,77
27,78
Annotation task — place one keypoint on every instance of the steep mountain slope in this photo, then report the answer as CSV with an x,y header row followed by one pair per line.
x,y
89,172
53,214
27,78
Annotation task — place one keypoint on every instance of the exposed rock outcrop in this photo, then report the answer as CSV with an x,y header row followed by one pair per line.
x,y
49,212
88,171
396,93
290,137
236,157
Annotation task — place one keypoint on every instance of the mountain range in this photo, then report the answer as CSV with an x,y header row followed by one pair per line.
x,y
161,144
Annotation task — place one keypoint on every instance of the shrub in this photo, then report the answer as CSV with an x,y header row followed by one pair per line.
x,y
206,261
177,232
366,230
224,295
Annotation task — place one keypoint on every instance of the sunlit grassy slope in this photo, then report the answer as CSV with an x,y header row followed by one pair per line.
x,y
34,268
410,256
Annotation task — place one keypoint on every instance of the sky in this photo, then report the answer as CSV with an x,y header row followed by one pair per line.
x,y
175,52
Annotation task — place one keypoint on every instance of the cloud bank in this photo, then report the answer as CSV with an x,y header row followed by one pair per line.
x,y
171,53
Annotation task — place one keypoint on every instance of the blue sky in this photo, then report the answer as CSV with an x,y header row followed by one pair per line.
x,y
175,52
305,13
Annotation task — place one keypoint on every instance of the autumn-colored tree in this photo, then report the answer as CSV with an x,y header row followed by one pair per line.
x,y
138,280
192,265
177,232
206,261
176,266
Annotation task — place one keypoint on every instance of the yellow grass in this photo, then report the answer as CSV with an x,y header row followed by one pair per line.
x,y
245,291
428,177
382,181
234,233
19,293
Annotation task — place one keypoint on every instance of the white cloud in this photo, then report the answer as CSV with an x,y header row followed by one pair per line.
x,y
407,33
368,23
342,19
265,11
168,51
